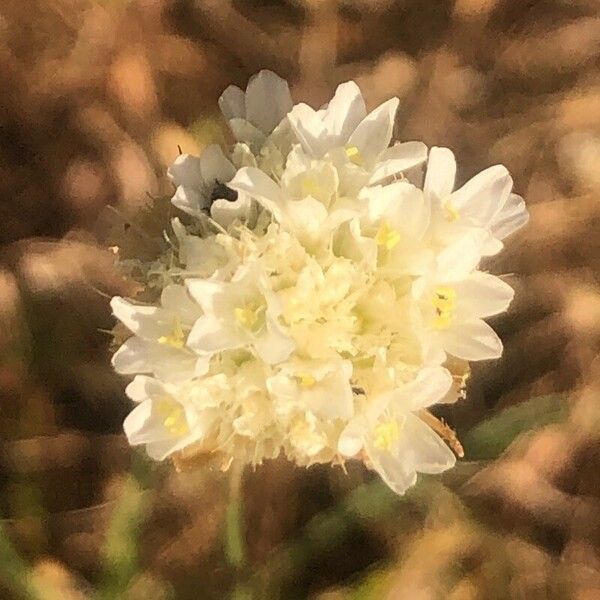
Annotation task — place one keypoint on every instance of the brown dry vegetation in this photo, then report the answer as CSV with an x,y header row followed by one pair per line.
x,y
96,97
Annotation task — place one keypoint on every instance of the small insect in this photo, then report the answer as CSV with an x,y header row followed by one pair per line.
x,y
221,191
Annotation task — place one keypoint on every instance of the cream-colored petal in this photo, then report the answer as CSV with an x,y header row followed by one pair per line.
x,y
262,188
275,345
215,166
373,134
233,103
176,299
483,196
397,159
441,173
344,113
482,295
268,100
472,340
511,217
186,171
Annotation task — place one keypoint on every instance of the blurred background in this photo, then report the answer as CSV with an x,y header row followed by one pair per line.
x,y
96,97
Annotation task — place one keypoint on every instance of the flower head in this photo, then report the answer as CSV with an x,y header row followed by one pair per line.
x,y
317,300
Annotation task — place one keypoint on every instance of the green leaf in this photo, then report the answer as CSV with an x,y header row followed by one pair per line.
x,y
489,439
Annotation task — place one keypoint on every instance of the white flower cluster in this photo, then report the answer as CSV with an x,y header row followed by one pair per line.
x,y
323,291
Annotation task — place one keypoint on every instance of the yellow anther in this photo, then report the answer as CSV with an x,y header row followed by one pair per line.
x,y
310,187
387,236
353,153
173,417
250,316
386,435
444,298
175,339
442,320
245,317
306,380
444,302
451,211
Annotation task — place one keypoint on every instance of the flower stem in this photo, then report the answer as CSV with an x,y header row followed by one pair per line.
x,y
235,543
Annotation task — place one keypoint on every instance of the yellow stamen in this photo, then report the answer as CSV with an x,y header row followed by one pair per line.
x,y
173,417
353,153
250,316
451,211
310,187
306,380
386,435
176,339
387,236
444,302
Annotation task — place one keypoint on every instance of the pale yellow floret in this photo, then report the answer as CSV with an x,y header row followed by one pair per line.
x,y
173,417
175,339
353,153
444,302
386,435
387,236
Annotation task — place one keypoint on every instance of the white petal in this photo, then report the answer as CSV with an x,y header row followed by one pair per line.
x,y
131,357
268,100
512,216
401,204
241,156
432,455
140,426
429,387
232,103
332,397
141,319
209,335
373,134
491,246
226,212
215,166
308,127
275,345
243,131
143,387
419,449
483,195
262,188
398,158
207,292
472,340
344,112
441,173
171,365
352,437
458,260
306,218
483,295
186,171
202,366
190,200
162,449
175,298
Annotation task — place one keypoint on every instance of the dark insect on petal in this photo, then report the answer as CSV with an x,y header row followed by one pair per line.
x,y
221,191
